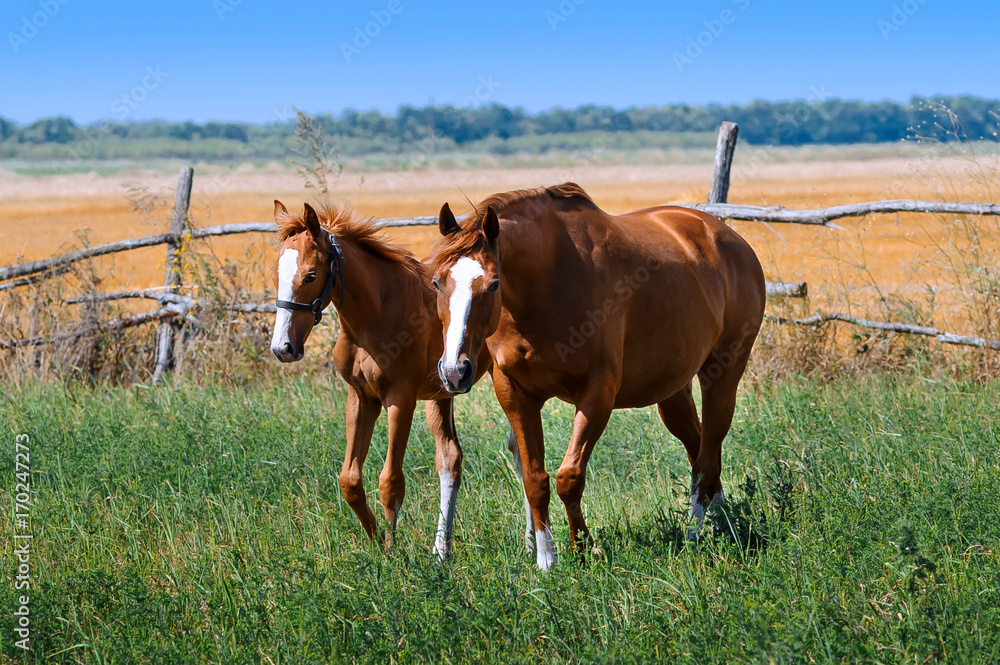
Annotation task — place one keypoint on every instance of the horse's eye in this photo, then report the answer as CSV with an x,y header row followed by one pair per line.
x,y
309,278
492,288
436,283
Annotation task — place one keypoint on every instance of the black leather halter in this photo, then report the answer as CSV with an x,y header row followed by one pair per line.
x,y
336,267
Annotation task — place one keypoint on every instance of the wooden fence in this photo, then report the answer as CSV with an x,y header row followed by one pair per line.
x,y
174,306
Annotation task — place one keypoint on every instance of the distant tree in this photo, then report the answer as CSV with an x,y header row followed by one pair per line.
x,y
50,130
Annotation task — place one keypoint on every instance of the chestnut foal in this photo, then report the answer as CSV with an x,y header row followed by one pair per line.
x,y
389,344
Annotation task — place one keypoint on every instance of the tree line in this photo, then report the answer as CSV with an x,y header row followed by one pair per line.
x,y
769,123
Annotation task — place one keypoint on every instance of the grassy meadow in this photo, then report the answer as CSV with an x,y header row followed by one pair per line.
x,y
201,521
198,523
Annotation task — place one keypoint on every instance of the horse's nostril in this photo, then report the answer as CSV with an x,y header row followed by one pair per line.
x,y
465,368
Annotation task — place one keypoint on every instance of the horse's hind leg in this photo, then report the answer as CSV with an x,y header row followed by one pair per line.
x,y
680,415
529,536
448,463
361,417
720,379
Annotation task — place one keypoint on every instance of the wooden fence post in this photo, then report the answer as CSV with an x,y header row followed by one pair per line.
x,y
178,225
724,148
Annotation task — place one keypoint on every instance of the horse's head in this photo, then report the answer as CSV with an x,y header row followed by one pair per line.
x,y
304,276
467,280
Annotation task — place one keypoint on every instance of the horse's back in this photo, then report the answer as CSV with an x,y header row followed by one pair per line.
x,y
685,284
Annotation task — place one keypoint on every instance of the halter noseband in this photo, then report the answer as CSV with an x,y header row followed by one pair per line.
x,y
336,267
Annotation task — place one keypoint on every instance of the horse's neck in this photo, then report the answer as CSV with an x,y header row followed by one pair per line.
x,y
525,244
371,297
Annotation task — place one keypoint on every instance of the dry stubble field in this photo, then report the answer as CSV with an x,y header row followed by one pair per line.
x,y
847,269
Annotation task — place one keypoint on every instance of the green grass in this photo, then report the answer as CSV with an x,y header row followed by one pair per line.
x,y
205,524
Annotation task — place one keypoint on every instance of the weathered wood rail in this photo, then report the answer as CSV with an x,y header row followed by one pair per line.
x,y
725,211
890,326
175,306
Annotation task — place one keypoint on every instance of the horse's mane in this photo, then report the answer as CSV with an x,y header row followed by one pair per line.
x,y
468,239
348,226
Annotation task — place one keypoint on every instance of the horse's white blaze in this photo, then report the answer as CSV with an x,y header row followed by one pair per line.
x,y
288,265
463,273
546,556
446,518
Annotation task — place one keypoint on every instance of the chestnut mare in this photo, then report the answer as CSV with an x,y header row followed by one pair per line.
x,y
604,312
387,350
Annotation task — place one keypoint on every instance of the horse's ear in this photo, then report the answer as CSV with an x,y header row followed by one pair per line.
x,y
491,224
279,210
447,223
312,221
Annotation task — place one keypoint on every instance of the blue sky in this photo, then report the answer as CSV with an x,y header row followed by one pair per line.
x,y
250,60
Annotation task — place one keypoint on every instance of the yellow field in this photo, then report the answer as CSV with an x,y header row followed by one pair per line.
x,y
901,254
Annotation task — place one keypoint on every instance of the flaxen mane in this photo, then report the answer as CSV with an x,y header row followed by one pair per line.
x,y
469,238
348,226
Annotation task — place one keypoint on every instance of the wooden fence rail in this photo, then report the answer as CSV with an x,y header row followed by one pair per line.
x,y
735,211
890,326
174,306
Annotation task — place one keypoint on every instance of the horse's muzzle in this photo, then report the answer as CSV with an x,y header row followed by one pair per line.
x,y
457,379
286,352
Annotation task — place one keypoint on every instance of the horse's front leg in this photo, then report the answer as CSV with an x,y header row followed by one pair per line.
x,y
592,414
391,485
524,413
529,534
448,463
361,416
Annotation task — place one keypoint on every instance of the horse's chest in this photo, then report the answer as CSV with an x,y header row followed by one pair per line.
x,y
361,371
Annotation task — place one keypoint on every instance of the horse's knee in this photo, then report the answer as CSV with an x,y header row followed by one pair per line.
x,y
536,488
450,460
391,488
569,483
351,487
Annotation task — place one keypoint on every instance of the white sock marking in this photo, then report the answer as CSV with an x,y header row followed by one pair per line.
x,y
288,266
546,557
464,272
698,511
446,517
